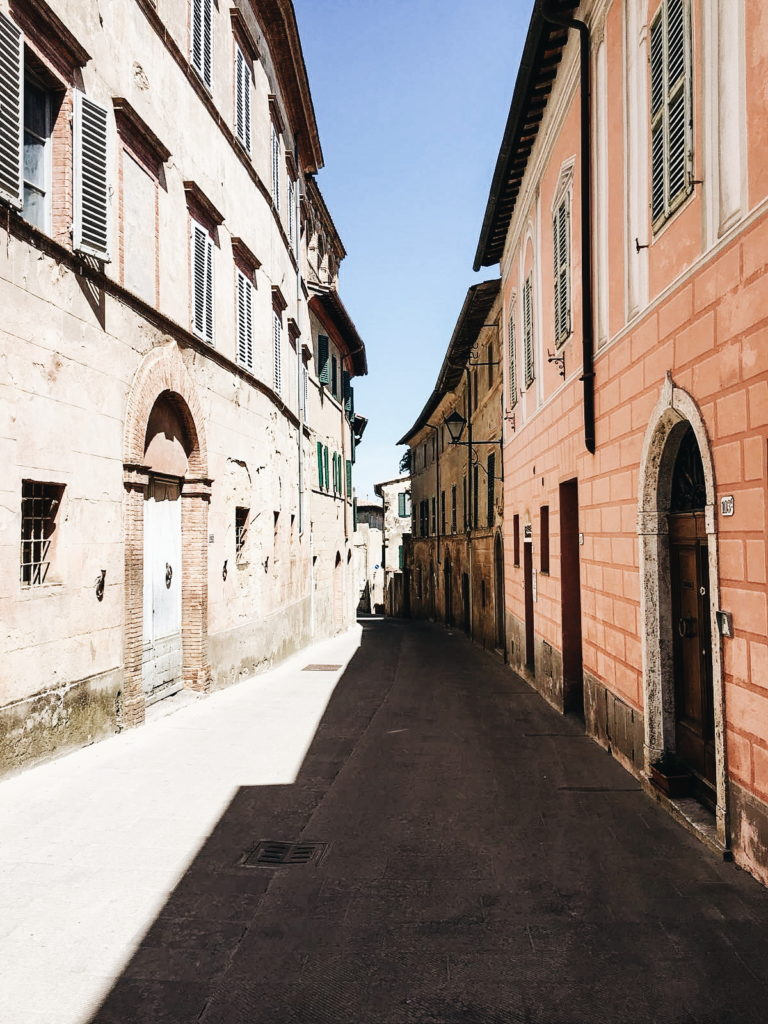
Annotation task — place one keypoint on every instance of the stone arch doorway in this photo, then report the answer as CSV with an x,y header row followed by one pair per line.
x,y
498,583
682,653
167,493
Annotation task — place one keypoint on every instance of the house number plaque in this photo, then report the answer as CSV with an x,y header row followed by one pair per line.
x,y
726,505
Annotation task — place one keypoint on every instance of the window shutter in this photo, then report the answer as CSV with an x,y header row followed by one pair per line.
x,y
334,377
292,212
528,334
671,130
91,220
305,391
11,114
244,321
202,283
400,559
277,344
242,99
325,467
512,358
346,387
401,503
560,230
202,38
349,479
323,360
491,486
320,464
275,166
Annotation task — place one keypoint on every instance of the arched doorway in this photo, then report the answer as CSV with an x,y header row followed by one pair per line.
x,y
448,584
498,580
682,657
167,492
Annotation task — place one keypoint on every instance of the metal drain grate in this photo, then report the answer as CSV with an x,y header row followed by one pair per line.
x,y
272,854
321,668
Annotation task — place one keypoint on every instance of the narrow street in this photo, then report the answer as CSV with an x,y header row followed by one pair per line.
x,y
485,863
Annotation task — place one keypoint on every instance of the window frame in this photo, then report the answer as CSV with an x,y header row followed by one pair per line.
x,y
512,390
56,497
206,77
561,254
240,280
243,77
27,76
210,247
529,357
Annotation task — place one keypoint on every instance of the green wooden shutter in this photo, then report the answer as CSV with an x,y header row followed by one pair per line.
x,y
349,479
325,467
320,464
401,503
323,360
346,384
400,559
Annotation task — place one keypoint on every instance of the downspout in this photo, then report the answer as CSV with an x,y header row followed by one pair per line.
x,y
470,512
587,313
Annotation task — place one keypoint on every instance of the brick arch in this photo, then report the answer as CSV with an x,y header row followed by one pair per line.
x,y
162,373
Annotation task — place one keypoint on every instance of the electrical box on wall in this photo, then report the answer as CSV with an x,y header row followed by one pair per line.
x,y
725,623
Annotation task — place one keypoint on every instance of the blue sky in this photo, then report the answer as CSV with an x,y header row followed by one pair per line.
x,y
411,98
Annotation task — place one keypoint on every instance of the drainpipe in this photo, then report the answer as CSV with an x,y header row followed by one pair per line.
x,y
587,314
470,512
299,356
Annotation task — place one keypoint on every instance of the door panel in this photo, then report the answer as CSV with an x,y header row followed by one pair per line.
x,y
162,657
528,583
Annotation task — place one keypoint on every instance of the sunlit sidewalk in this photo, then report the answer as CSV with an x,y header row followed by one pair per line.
x,y
91,845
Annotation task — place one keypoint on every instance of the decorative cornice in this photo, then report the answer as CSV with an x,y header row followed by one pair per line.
x,y
37,20
246,37
130,123
279,302
244,255
198,199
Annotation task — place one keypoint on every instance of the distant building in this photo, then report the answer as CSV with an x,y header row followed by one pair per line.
x,y
396,497
454,557
369,555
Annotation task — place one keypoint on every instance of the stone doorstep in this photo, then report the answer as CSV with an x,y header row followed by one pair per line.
x,y
688,812
170,705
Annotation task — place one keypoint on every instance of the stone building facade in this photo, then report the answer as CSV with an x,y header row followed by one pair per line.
x,y
455,555
628,213
160,398
369,554
396,500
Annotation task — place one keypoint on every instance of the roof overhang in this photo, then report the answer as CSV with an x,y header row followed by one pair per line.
x,y
542,54
472,318
327,306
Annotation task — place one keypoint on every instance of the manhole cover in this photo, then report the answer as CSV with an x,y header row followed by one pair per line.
x,y
320,668
272,854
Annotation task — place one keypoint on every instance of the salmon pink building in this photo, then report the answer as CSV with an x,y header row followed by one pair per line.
x,y
628,213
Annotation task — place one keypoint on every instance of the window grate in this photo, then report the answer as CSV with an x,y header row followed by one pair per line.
x,y
39,505
241,532
271,854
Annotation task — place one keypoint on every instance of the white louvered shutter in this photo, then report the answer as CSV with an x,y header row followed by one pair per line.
x,y
11,112
305,392
242,99
244,321
292,212
277,331
202,283
528,334
561,246
90,174
512,358
202,38
671,129
275,166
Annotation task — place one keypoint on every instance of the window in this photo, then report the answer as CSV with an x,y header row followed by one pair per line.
x,y
402,504
202,283
453,508
442,512
37,156
491,365
348,394
529,368
512,357
305,391
242,99
334,377
671,130
241,532
244,321
434,516
277,355
475,496
292,212
561,230
349,478
545,538
326,475
516,539
40,504
12,116
491,487
400,559
464,506
202,38
275,147
424,518
323,359
320,465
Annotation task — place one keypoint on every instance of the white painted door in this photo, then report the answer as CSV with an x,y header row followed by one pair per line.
x,y
161,663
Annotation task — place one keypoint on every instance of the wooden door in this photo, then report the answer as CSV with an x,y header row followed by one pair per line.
x,y
162,652
530,659
570,598
694,703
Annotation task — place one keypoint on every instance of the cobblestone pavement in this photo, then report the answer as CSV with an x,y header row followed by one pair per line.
x,y
485,863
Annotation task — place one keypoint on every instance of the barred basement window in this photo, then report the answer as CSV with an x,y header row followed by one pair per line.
x,y
528,367
40,504
671,127
241,532
561,231
512,357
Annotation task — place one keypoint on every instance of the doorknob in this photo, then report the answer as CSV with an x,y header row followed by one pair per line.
x,y
168,575
686,627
